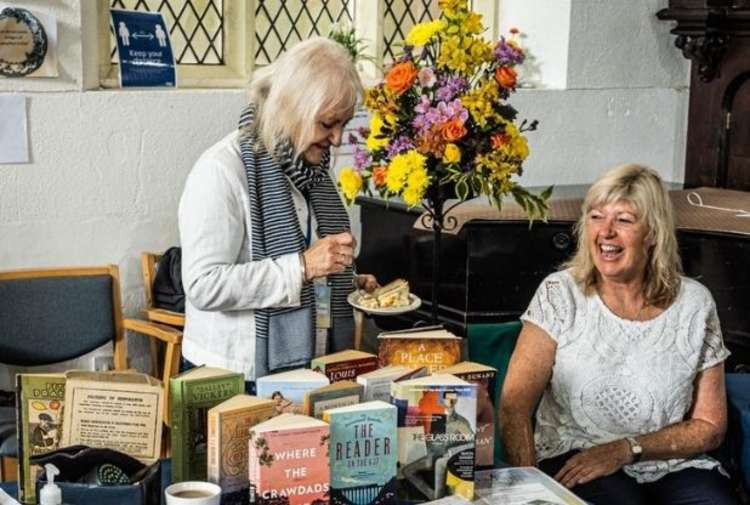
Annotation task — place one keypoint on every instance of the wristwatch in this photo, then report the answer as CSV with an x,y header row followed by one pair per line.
x,y
635,449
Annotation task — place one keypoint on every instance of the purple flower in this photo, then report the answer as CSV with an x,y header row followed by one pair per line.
x,y
426,77
399,145
450,87
508,54
362,158
427,115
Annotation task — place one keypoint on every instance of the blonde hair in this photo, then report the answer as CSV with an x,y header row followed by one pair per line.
x,y
315,77
643,189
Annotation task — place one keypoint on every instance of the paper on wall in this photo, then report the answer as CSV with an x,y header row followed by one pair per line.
x,y
14,146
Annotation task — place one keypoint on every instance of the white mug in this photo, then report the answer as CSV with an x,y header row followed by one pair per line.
x,y
193,493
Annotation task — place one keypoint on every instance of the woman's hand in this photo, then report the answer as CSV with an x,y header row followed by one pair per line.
x,y
595,462
367,282
329,255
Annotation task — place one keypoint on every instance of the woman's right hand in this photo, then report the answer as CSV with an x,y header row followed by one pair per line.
x,y
329,255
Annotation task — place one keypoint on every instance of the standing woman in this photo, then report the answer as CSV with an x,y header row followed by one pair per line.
x,y
263,228
625,359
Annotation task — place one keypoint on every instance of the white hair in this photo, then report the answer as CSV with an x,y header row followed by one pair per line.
x,y
313,78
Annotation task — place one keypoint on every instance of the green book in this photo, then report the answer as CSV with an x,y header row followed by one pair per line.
x,y
39,411
193,393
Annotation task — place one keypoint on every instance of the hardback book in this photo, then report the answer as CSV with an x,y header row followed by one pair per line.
x,y
485,378
229,426
377,383
114,410
345,365
434,348
288,461
338,394
288,389
522,485
39,420
193,393
437,418
363,454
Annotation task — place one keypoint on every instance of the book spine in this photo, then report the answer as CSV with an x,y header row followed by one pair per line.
x,y
177,431
23,435
213,470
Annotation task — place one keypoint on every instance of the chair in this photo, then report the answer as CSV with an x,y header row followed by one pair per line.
x,y
52,315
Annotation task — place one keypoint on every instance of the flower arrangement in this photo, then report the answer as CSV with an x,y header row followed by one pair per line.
x,y
440,116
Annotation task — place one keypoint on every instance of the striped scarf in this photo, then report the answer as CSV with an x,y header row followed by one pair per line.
x,y
285,337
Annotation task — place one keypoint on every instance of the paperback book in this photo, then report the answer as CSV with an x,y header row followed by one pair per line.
x,y
345,365
193,394
377,383
338,394
485,378
39,419
229,426
288,461
434,348
288,389
436,434
363,454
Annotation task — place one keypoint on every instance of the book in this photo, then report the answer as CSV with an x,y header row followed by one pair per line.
x,y
345,365
485,377
229,426
435,348
121,411
436,430
377,383
288,389
363,454
39,420
193,393
522,485
338,394
288,461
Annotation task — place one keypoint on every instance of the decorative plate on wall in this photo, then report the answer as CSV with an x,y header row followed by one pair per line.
x,y
23,42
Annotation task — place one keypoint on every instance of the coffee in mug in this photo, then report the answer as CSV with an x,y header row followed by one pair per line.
x,y
193,493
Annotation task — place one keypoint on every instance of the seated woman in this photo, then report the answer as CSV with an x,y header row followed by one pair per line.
x,y
627,357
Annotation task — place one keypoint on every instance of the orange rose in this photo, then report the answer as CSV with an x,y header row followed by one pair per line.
x,y
400,77
378,175
506,77
499,140
453,130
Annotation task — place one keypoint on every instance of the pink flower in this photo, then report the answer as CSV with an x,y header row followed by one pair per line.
x,y
426,77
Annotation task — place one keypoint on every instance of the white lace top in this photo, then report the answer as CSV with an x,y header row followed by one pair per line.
x,y
613,377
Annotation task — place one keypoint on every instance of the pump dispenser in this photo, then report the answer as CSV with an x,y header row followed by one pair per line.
x,y
50,493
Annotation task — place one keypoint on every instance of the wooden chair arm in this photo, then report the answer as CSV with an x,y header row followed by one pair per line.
x,y
156,330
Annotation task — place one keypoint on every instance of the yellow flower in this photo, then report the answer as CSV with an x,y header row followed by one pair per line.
x,y
473,23
412,196
402,165
422,33
376,126
350,182
480,103
452,154
519,147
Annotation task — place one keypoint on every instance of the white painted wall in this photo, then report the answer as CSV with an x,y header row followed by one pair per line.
x,y
108,167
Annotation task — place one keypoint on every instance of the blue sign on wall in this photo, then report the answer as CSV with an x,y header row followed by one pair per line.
x,y
146,57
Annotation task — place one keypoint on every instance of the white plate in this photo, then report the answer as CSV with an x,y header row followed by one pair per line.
x,y
414,304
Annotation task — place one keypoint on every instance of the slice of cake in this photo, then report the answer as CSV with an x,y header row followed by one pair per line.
x,y
393,294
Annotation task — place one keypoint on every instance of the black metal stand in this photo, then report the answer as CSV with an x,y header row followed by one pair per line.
x,y
436,219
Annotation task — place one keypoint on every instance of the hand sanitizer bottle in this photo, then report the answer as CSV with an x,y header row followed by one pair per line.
x,y
50,493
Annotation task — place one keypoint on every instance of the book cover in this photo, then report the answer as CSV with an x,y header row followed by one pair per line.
x,y
363,454
485,377
435,349
193,393
229,426
345,365
288,389
121,411
39,419
288,461
338,394
378,382
436,433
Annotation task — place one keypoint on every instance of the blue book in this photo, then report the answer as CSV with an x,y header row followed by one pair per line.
x,y
363,454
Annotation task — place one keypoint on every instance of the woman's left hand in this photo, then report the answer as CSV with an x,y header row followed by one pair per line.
x,y
593,463
367,282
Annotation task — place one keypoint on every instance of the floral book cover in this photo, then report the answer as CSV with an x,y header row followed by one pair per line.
x,y
289,466
40,399
363,454
435,354
436,438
